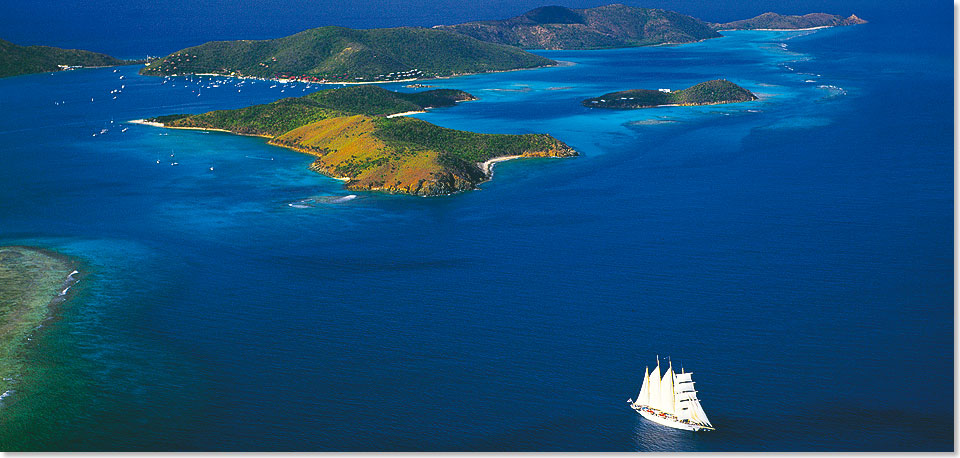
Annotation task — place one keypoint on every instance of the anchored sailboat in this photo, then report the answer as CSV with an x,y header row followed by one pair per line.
x,y
670,400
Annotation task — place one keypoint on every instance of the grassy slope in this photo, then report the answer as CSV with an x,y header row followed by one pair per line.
x,y
347,130
20,60
275,118
29,280
706,93
342,54
609,26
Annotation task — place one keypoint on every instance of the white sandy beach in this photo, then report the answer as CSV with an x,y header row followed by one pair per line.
x,y
405,113
487,166
205,129
145,122
780,30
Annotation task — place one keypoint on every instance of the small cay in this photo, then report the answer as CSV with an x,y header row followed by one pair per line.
x,y
355,139
707,93
774,21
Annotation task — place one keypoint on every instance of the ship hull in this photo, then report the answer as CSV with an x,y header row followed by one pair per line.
x,y
655,417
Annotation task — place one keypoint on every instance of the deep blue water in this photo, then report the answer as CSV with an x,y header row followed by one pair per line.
x,y
795,253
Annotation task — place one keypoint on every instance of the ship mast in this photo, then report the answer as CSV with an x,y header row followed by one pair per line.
x,y
667,395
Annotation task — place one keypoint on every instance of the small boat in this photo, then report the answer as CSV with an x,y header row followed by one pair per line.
x,y
671,400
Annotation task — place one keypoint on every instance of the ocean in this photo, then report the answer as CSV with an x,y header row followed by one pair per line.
x,y
795,253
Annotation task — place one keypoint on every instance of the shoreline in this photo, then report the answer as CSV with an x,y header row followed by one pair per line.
x,y
145,122
780,30
672,105
205,129
288,80
487,166
405,113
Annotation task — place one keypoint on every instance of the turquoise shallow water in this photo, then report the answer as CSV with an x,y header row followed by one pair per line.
x,y
794,252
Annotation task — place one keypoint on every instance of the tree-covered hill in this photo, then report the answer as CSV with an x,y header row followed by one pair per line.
x,y
20,60
706,93
609,26
348,55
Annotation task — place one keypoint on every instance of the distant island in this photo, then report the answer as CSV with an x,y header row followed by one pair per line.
x,y
774,21
359,136
610,26
31,281
340,54
707,93
621,26
20,60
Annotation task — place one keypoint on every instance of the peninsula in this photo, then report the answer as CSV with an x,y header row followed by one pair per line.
x,y
707,93
20,60
774,21
609,26
343,55
31,281
358,135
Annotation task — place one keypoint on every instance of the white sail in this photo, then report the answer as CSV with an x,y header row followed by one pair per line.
x,y
654,389
699,416
666,391
644,397
683,387
688,406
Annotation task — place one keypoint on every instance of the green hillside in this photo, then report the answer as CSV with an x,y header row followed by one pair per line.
x,y
348,55
610,26
275,118
706,93
349,132
20,60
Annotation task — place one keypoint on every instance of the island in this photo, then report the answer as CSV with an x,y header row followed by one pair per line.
x,y
359,135
21,60
343,55
707,93
32,281
621,26
609,26
774,21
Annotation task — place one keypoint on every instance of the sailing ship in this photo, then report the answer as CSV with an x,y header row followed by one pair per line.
x,y
670,400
